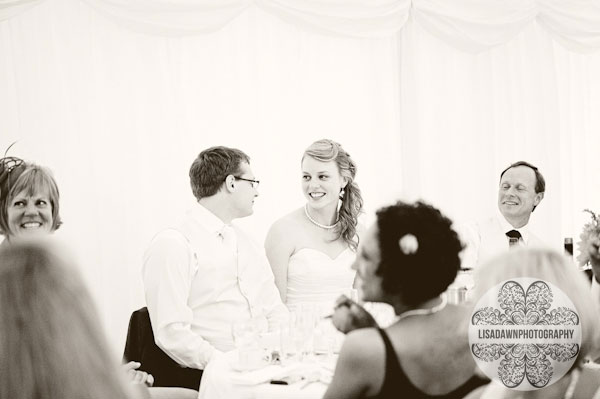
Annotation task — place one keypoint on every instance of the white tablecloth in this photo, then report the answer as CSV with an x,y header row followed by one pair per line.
x,y
221,381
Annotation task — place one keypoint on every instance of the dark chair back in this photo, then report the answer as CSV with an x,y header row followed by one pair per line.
x,y
141,347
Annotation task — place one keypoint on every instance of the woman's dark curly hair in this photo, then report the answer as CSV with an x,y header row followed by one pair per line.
x,y
427,272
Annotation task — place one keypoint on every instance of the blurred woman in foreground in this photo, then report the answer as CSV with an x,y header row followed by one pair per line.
x,y
407,259
51,342
548,266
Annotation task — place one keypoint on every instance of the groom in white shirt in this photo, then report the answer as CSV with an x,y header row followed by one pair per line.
x,y
520,191
205,273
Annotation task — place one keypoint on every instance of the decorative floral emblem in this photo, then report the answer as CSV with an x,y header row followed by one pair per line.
x,y
525,338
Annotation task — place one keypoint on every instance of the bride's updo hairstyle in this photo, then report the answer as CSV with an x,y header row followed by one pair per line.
x,y
326,150
418,251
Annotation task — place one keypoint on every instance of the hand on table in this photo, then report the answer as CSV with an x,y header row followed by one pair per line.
x,y
348,316
137,376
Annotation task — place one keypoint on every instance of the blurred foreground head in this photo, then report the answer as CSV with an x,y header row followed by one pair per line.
x,y
411,253
51,342
552,267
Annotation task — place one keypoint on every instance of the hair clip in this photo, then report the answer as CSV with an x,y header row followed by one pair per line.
x,y
7,165
408,244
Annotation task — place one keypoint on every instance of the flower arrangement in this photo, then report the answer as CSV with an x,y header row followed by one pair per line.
x,y
589,244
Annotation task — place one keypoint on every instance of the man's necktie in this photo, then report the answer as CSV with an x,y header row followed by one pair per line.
x,y
513,238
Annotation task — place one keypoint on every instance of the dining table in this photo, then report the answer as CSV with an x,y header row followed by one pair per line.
x,y
305,378
304,375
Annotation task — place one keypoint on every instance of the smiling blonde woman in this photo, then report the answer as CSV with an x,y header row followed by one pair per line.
x,y
312,248
29,200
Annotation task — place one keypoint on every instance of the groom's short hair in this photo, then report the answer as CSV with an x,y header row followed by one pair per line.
x,y
212,166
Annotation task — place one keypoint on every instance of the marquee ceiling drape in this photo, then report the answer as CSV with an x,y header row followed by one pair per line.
x,y
471,25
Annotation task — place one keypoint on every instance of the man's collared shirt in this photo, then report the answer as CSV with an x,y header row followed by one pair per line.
x,y
487,238
199,279
525,233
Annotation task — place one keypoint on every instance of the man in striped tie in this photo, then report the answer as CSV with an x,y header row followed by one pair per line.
x,y
520,191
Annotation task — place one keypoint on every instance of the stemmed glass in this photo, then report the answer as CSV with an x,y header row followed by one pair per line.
x,y
245,339
297,336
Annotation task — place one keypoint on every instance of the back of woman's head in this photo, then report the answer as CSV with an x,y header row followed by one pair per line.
x,y
32,179
552,267
326,150
419,251
51,342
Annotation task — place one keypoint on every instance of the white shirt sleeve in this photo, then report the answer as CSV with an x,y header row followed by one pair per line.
x,y
469,236
169,267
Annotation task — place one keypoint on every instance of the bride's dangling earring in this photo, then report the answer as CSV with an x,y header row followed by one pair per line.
x,y
342,192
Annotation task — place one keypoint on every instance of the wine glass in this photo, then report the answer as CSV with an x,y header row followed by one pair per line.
x,y
245,339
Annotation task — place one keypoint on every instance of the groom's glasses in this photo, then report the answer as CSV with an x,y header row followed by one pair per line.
x,y
254,183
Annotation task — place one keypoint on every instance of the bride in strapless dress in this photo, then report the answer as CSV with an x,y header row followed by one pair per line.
x,y
311,250
314,277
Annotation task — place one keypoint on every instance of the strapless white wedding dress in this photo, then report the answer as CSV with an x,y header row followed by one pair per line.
x,y
318,280
315,278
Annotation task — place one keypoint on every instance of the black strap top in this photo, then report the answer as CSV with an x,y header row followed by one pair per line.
x,y
396,384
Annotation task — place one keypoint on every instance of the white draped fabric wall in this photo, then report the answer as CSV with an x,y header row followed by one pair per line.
x,y
431,97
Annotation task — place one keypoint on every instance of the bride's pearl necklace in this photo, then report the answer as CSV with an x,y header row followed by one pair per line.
x,y
423,312
323,226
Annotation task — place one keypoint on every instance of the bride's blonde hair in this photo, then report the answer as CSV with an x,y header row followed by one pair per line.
x,y
326,150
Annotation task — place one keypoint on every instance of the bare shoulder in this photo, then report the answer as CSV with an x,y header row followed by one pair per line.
x,y
364,334
283,231
285,225
364,347
360,367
